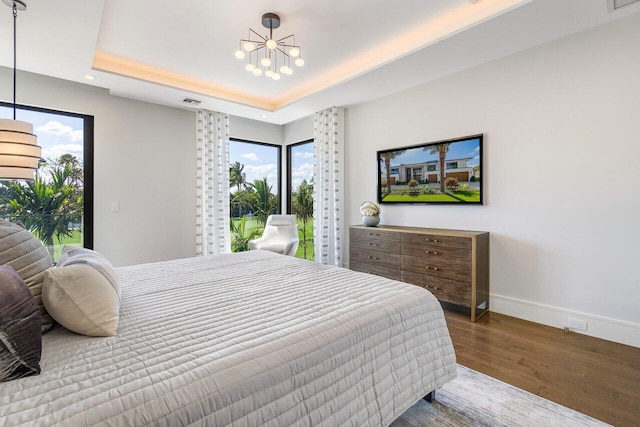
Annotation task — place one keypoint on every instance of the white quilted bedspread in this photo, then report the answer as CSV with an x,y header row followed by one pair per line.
x,y
247,339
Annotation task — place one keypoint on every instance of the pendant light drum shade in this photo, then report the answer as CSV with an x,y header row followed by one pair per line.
x,y
19,152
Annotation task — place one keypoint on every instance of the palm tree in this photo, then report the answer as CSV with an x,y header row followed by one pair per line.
x,y
387,157
241,201
265,202
236,176
302,207
239,237
46,206
441,150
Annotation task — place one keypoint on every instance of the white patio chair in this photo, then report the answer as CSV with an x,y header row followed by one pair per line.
x,y
280,235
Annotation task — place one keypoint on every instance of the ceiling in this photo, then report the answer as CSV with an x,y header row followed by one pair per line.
x,y
163,51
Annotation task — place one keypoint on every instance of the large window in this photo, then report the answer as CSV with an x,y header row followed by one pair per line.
x,y
57,206
300,189
254,173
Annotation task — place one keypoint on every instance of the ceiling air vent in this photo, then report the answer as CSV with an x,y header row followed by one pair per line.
x,y
617,4
191,101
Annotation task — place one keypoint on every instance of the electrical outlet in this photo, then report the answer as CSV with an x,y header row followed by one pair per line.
x,y
576,324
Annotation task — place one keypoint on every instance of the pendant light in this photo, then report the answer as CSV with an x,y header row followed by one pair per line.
x,y
19,152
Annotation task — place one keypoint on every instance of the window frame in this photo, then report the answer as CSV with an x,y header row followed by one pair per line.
x,y
279,166
88,151
290,171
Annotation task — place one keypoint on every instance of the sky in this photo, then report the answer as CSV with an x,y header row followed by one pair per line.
x,y
301,164
57,134
258,160
457,150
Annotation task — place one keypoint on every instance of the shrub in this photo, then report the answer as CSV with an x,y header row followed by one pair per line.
x,y
413,183
451,182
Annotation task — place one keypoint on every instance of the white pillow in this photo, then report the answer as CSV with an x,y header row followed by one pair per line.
x,y
83,294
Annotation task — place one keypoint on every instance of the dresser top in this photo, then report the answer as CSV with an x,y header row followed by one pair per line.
x,y
422,230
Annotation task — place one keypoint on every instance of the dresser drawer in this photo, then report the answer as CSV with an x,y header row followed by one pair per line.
x,y
373,234
362,243
436,267
437,241
447,290
375,257
389,273
429,252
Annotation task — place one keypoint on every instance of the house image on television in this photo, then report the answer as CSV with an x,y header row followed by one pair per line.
x,y
430,171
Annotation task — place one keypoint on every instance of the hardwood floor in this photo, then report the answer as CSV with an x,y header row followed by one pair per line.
x,y
596,377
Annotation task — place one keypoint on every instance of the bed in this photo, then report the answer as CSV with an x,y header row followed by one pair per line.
x,y
243,339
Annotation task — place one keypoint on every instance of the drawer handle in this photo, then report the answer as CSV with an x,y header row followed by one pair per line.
x,y
373,234
431,252
372,257
373,244
431,287
432,268
432,240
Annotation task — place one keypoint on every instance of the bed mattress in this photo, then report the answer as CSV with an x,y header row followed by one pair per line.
x,y
245,339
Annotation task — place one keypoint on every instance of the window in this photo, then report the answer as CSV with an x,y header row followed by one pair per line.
x,y
254,174
431,167
417,174
300,189
452,165
67,154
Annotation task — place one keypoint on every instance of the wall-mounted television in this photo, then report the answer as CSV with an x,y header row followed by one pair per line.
x,y
442,172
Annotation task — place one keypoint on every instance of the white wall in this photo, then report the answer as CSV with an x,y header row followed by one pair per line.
x,y
298,131
253,130
145,159
562,147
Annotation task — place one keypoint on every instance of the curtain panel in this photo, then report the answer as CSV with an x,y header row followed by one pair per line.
x,y
212,200
328,178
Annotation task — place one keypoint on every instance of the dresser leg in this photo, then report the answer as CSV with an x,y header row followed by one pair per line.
x,y
430,397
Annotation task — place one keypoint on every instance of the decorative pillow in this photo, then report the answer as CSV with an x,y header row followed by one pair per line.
x,y
29,258
82,293
20,323
73,255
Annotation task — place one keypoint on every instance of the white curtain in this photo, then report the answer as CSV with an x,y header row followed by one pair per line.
x,y
328,203
212,200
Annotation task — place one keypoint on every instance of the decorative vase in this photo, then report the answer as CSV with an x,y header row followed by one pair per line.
x,y
370,220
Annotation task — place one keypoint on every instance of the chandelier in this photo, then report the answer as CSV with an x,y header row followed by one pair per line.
x,y
267,55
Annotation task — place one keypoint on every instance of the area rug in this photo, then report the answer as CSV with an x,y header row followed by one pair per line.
x,y
474,399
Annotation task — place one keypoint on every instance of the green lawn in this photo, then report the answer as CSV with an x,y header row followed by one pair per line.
x,y
74,240
458,196
253,225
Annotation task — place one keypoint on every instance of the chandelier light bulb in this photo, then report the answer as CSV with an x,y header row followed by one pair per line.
x,y
286,70
271,44
274,55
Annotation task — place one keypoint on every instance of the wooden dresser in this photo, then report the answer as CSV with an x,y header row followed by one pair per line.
x,y
452,264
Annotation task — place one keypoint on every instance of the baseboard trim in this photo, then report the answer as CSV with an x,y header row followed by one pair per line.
x,y
597,326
